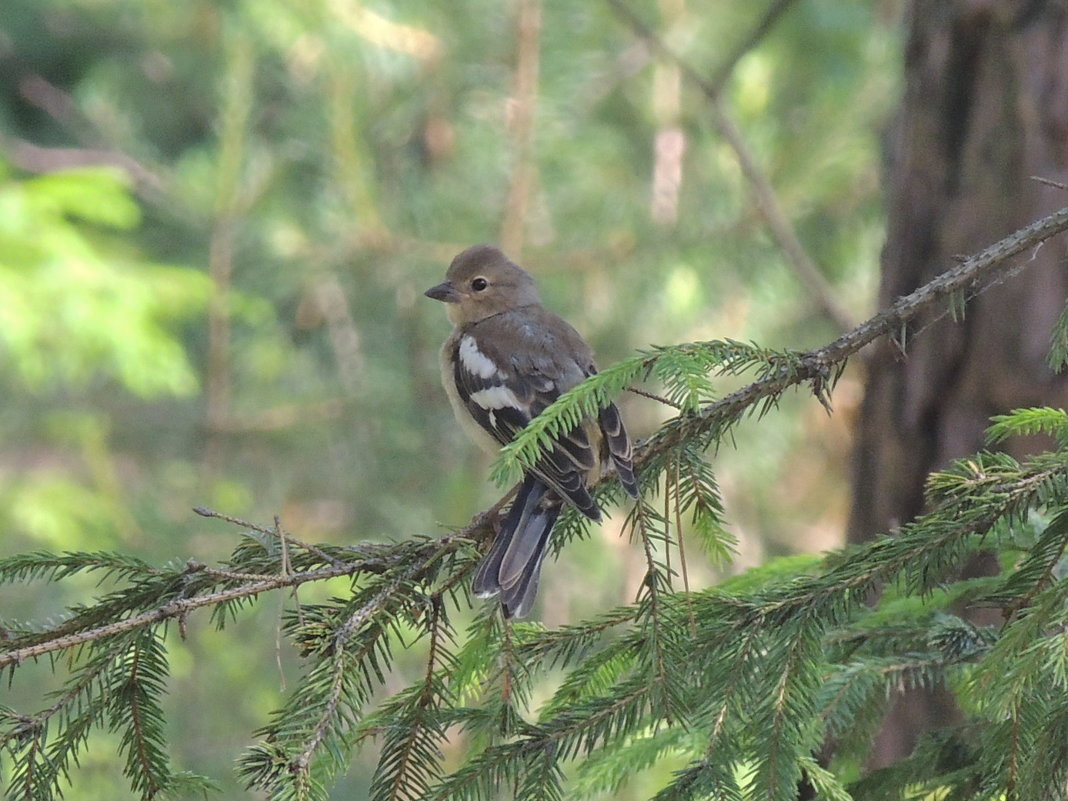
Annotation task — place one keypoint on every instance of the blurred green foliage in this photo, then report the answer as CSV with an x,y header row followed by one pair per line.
x,y
217,219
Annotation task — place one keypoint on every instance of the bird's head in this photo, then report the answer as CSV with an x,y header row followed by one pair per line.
x,y
482,282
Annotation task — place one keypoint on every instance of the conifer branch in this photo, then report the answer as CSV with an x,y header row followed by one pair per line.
x,y
652,615
820,365
339,667
379,559
685,367
744,664
409,756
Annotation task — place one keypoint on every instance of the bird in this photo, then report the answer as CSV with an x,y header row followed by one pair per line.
x,y
506,360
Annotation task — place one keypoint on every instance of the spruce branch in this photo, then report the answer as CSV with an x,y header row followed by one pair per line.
x,y
135,704
744,665
819,365
375,558
169,610
651,526
582,728
410,753
328,718
38,765
683,364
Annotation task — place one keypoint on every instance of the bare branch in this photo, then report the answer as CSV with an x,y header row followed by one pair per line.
x,y
1049,182
275,531
653,396
767,22
34,158
523,106
816,286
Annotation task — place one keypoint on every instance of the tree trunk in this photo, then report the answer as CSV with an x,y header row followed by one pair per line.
x,y
985,107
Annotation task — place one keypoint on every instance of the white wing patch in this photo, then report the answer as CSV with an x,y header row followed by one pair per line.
x,y
496,398
475,361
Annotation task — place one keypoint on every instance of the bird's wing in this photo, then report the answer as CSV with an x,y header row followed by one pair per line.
x,y
620,448
503,392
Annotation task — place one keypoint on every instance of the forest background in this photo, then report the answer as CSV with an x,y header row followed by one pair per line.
x,y
217,221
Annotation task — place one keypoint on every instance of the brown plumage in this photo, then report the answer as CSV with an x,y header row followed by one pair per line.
x,y
506,360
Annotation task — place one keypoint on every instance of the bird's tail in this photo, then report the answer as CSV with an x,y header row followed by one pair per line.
x,y
513,565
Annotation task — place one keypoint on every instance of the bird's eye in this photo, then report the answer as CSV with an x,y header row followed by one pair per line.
x,y
479,284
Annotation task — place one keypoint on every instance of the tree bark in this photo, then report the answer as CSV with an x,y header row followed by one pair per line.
x,y
985,107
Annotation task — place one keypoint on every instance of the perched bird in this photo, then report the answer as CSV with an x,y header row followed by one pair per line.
x,y
507,359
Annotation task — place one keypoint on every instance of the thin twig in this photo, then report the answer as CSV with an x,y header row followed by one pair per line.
x,y
654,396
1049,182
682,550
667,525
767,22
813,281
276,531
237,521
286,566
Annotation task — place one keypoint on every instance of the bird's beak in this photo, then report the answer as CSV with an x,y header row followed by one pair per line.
x,y
444,292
